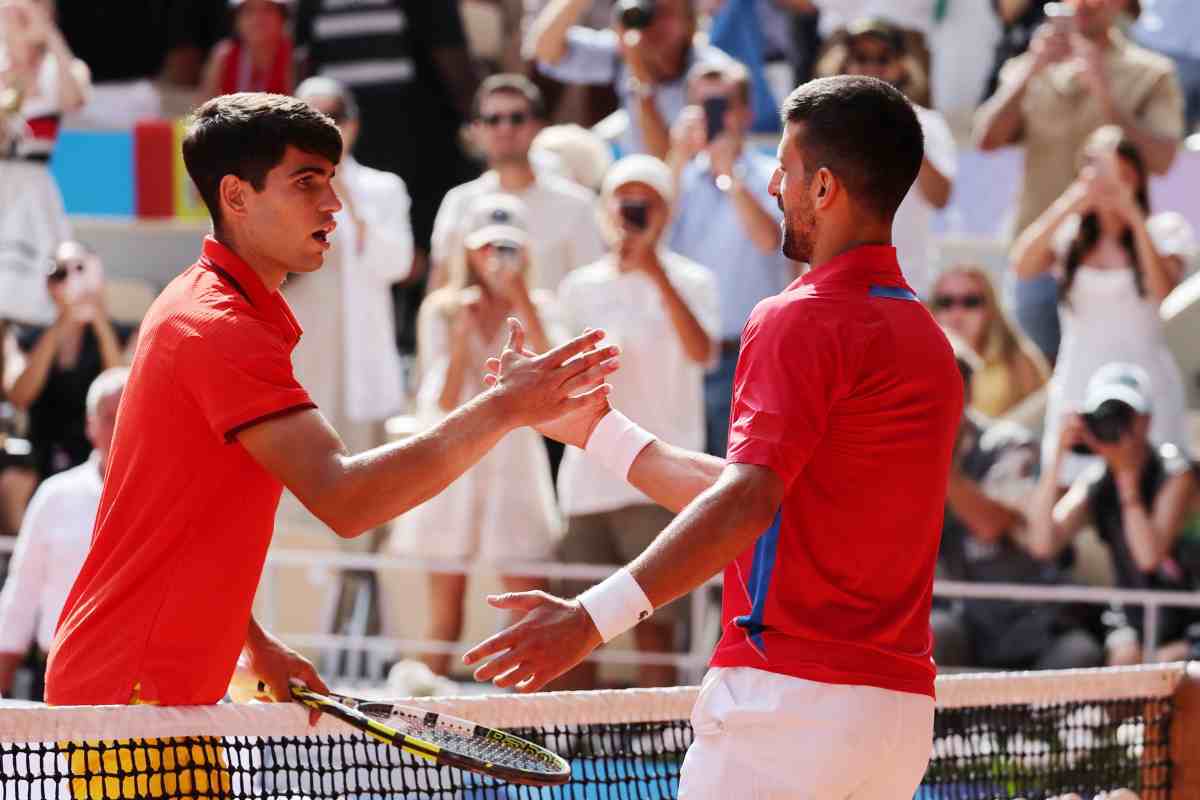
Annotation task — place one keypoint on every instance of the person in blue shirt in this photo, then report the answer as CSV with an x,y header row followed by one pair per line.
x,y
726,220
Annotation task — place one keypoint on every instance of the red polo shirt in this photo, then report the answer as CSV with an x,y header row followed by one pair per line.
x,y
847,389
163,599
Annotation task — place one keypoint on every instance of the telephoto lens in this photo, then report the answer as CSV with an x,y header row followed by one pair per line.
x,y
635,14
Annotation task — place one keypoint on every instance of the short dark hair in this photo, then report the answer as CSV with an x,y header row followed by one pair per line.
x,y
511,83
865,132
246,135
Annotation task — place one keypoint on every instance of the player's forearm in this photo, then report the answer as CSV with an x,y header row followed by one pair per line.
x,y
709,534
672,476
377,486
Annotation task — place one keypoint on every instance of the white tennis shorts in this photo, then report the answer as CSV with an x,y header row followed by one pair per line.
x,y
764,736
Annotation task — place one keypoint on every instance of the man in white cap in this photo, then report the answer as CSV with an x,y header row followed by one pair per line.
x,y
662,309
1136,497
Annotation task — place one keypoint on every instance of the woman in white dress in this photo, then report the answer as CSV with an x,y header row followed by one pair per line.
x,y
1115,262
502,509
40,80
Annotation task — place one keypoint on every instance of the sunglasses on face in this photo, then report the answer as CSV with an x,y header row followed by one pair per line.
x,y
516,119
945,302
63,269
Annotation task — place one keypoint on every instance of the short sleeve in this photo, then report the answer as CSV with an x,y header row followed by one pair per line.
x,y
940,149
1173,235
239,373
788,376
1162,111
591,57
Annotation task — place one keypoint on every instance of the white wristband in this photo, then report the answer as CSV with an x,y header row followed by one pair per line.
x,y
616,604
616,442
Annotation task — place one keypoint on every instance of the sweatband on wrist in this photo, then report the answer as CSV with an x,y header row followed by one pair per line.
x,y
616,442
616,604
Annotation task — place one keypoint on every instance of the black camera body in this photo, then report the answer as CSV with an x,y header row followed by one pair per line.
x,y
1108,423
636,15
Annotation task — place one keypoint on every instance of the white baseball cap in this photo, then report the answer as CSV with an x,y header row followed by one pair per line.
x,y
1126,383
640,169
496,218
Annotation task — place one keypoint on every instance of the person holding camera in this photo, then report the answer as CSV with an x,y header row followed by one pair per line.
x,y
1136,498
503,508
661,309
53,366
724,217
1113,263
645,56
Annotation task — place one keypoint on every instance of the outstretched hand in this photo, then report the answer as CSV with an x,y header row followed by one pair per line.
x,y
578,417
553,636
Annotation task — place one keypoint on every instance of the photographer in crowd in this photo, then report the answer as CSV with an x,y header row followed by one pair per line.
x,y
1136,499
645,57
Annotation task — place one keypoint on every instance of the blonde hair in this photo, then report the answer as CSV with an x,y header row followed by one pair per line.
x,y
1002,341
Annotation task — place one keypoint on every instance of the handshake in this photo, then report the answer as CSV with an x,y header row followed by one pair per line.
x,y
562,393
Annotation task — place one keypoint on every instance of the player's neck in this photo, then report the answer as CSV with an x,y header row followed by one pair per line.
x,y
269,270
832,244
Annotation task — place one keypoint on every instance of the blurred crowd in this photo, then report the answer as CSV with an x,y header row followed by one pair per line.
x,y
590,163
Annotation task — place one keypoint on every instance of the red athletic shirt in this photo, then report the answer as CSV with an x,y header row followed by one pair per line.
x,y
847,389
163,599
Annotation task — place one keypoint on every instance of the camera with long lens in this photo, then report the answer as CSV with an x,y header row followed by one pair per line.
x,y
1108,423
635,15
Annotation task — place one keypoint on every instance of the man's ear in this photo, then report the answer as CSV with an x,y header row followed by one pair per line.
x,y
825,188
232,193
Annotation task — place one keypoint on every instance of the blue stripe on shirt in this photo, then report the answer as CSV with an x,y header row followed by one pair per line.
x,y
759,584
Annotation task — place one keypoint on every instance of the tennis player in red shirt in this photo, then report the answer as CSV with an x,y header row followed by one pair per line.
x,y
213,425
825,514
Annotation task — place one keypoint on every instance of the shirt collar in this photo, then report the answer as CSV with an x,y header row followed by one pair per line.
x,y
242,278
867,265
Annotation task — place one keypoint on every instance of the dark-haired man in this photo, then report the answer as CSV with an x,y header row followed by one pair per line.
x,y
213,424
825,513
563,232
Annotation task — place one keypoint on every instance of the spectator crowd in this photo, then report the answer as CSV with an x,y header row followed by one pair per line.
x,y
596,164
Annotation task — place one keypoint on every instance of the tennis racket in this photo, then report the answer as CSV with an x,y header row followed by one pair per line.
x,y
445,740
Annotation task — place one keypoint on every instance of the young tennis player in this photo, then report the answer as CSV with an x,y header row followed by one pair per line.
x,y
213,424
825,514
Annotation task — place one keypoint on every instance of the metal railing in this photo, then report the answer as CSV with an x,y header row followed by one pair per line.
x,y
692,662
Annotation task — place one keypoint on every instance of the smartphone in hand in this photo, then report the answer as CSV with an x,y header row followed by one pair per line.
x,y
714,116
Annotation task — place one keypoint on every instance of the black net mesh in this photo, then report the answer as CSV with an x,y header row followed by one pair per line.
x,y
980,753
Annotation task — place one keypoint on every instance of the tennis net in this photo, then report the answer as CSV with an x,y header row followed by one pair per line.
x,y
1031,735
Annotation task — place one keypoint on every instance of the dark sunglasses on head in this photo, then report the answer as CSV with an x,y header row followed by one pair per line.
x,y
944,302
517,118
59,272
872,61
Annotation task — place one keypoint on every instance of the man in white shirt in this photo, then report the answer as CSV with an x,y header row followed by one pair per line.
x,y
54,538
661,308
877,48
563,233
